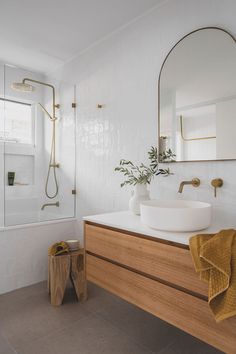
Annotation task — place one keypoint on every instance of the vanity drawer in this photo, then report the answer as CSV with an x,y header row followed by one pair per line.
x,y
164,261
182,310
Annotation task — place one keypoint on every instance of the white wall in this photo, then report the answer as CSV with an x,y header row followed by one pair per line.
x,y
122,72
226,125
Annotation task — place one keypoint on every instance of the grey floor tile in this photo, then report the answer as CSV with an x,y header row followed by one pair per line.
x,y
99,298
31,317
186,344
5,347
144,328
151,332
104,324
12,300
91,335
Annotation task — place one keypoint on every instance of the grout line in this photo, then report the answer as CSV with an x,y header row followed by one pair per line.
x,y
9,344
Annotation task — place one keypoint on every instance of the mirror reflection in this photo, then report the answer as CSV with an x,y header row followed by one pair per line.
x,y
197,98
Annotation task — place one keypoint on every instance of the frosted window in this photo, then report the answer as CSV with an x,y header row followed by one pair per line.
x,y
16,123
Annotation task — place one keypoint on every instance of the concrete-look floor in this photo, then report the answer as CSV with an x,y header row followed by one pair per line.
x,y
104,324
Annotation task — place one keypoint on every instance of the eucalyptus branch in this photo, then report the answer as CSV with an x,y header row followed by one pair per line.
x,y
167,156
142,174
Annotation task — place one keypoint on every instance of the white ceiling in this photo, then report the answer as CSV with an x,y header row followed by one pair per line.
x,y
43,34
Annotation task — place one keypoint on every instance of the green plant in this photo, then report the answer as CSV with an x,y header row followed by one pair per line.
x,y
141,174
167,156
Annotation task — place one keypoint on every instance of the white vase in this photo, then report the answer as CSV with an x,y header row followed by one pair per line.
x,y
140,194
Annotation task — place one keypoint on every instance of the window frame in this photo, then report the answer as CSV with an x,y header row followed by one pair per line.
x,y
32,117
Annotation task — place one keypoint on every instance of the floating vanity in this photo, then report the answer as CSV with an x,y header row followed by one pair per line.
x,y
154,271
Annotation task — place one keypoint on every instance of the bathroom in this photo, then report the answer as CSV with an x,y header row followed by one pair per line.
x,y
104,60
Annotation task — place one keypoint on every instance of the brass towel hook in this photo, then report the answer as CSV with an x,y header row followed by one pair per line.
x,y
216,183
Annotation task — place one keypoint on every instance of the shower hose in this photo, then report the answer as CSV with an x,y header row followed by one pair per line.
x,y
52,164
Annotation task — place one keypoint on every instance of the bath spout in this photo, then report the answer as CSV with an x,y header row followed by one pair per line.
x,y
57,204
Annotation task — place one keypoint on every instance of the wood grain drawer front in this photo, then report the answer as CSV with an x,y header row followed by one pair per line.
x,y
169,263
182,310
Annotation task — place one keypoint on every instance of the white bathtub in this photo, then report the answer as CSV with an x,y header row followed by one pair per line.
x,y
24,249
32,217
28,210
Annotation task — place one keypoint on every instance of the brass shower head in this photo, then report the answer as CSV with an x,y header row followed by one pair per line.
x,y
22,87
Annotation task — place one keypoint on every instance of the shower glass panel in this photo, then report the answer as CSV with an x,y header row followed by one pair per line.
x,y
2,146
37,148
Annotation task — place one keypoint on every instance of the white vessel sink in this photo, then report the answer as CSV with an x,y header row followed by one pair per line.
x,y
176,215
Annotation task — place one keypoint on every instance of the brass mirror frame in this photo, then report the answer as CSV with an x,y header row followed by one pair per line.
x,y
159,84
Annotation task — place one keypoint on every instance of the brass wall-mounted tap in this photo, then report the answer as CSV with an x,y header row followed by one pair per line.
x,y
195,182
216,183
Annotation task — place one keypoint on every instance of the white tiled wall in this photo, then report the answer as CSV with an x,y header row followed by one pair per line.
x,y
122,73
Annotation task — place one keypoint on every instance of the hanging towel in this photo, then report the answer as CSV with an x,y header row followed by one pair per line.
x,y
214,257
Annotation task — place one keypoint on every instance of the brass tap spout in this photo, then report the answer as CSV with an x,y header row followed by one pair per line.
x,y
195,182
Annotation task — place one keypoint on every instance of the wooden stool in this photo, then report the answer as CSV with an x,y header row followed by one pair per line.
x,y
60,269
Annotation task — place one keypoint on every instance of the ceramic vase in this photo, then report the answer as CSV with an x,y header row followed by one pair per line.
x,y
139,195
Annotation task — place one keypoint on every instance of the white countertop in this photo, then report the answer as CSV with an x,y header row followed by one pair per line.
x,y
126,220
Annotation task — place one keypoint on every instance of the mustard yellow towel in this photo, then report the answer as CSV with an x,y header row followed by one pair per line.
x,y
214,258
58,248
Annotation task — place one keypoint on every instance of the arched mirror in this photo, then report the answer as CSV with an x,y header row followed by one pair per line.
x,y
197,98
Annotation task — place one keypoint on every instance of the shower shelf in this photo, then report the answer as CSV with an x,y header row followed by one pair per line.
x,y
20,149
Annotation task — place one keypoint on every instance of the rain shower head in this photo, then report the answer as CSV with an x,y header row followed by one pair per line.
x,y
25,87
22,87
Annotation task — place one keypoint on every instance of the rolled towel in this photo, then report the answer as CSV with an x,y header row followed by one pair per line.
x,y
58,248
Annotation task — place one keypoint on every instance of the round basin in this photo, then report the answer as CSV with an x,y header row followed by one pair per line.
x,y
176,215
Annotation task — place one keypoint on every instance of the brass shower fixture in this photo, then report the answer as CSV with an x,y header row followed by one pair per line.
x,y
29,88
24,86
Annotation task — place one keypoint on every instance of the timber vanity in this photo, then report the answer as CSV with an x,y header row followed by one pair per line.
x,y
154,271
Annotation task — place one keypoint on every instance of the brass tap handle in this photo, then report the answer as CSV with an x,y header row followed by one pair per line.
x,y
216,183
196,182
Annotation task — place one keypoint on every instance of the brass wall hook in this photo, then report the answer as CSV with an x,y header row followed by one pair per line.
x,y
216,183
